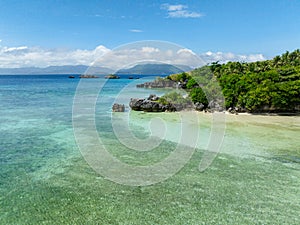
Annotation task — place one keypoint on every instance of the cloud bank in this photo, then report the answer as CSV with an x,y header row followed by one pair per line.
x,y
24,56
228,56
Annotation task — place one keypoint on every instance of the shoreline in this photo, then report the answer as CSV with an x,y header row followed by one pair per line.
x,y
263,114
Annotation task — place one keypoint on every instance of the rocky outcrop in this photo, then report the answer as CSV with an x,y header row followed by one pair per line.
x,y
215,106
150,104
112,76
162,83
153,97
237,109
199,106
118,107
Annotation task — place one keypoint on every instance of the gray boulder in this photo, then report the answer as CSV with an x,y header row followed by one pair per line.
x,y
199,106
118,107
150,105
153,97
215,106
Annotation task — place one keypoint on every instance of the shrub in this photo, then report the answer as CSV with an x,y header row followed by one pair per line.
x,y
191,83
197,95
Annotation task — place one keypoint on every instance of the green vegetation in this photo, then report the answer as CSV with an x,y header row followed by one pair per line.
x,y
200,84
271,85
197,95
173,98
112,76
181,77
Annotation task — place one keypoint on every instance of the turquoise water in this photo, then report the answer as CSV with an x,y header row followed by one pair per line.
x,y
36,120
255,179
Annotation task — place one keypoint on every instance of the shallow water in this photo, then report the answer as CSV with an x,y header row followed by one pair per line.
x,y
44,179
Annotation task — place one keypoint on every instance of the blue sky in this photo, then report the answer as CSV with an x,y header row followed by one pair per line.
x,y
267,27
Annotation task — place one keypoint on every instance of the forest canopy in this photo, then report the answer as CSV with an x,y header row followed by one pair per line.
x,y
270,85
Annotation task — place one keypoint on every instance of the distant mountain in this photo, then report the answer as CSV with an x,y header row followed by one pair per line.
x,y
141,69
155,69
69,69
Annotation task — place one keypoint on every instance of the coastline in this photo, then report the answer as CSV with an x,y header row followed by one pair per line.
x,y
258,135
263,114
44,169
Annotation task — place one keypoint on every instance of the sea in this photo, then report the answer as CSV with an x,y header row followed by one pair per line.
x,y
48,175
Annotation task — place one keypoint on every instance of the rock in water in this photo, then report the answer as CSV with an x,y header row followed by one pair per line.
x,y
118,107
150,105
136,104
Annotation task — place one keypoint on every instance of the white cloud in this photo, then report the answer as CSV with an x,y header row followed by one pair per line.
x,y
222,57
24,56
127,57
14,49
150,49
180,11
184,14
173,7
209,53
185,51
257,57
135,30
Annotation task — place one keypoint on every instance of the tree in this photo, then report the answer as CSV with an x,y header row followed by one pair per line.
x,y
197,95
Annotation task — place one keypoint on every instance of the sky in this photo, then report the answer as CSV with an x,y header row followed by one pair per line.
x,y
58,32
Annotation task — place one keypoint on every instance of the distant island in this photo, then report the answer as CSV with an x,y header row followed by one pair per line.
x,y
270,86
88,76
67,69
158,69
112,76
